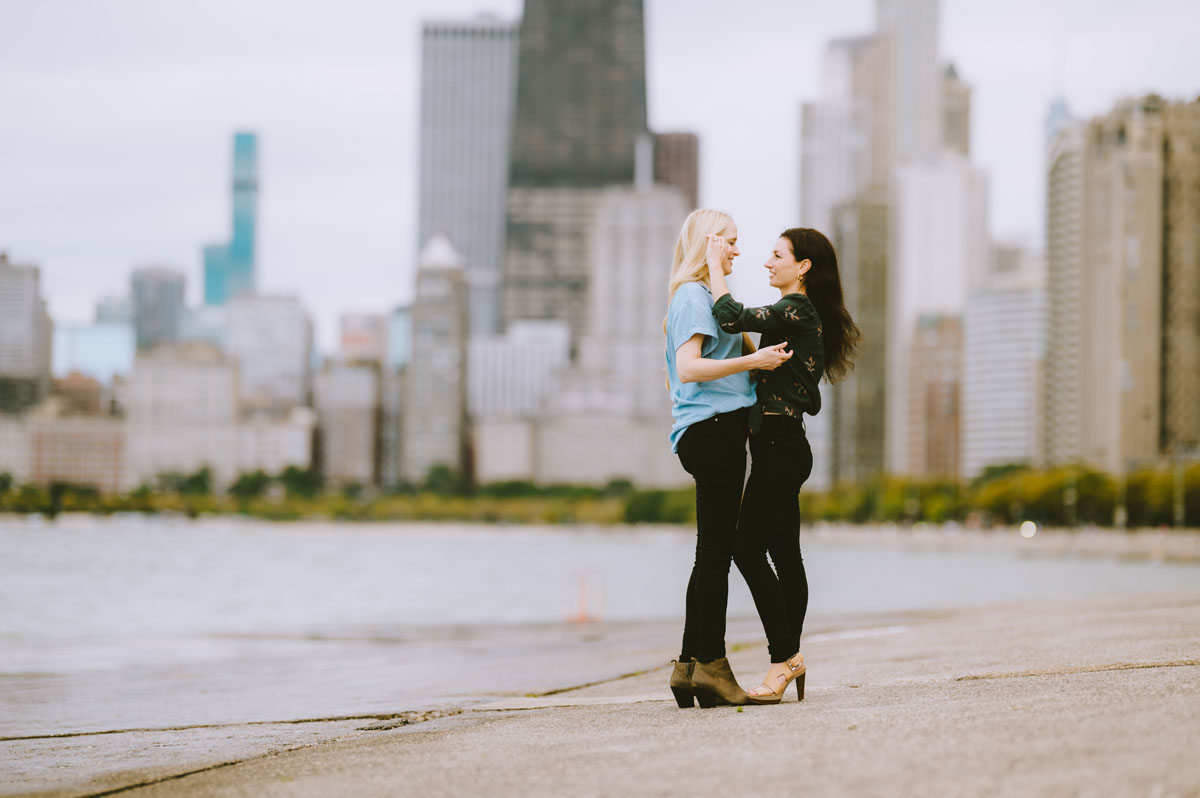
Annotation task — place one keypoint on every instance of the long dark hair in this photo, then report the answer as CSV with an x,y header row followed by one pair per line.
x,y
823,285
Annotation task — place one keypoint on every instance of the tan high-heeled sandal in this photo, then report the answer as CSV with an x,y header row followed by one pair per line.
x,y
795,673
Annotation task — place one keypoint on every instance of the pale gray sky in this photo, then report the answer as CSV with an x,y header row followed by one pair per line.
x,y
116,119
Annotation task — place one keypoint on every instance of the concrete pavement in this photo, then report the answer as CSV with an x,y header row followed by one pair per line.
x,y
1074,698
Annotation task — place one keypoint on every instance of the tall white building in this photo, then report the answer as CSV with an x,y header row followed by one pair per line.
x,y
619,370
939,250
844,136
25,337
14,447
435,419
468,91
347,396
182,414
1004,337
606,415
1063,388
846,153
271,442
912,26
511,376
270,339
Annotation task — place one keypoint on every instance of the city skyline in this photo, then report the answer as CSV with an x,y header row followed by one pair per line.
x,y
339,158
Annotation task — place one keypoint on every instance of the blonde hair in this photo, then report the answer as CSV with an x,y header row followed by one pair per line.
x,y
689,263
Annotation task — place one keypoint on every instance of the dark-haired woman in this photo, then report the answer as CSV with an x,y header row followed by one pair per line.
x,y
811,318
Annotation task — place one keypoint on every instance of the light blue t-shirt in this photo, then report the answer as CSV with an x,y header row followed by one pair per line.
x,y
691,313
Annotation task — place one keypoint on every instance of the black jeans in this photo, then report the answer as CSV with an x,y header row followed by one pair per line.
x,y
713,451
770,522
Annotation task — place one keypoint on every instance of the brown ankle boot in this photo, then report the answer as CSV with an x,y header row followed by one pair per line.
x,y
681,683
713,683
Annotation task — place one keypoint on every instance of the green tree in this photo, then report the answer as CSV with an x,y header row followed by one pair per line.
x,y
251,485
302,482
445,481
198,483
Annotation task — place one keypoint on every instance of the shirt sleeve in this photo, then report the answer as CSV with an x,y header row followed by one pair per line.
x,y
689,315
785,317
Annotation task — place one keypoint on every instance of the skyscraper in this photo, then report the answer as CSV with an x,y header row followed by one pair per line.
x,y
1063,386
581,109
468,91
1140,343
939,248
846,137
1003,342
182,414
1181,279
856,405
347,398
270,340
158,309
677,163
956,112
933,406
621,351
229,268
912,26
435,417
846,158
25,337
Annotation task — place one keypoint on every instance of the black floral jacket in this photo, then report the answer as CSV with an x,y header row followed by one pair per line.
x,y
792,388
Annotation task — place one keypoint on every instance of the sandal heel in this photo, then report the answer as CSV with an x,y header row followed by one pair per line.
x,y
800,687
684,698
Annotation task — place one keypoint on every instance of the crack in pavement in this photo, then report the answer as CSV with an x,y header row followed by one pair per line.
x,y
1116,666
177,776
405,717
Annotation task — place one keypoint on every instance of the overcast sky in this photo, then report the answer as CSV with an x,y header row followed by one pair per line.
x,y
116,121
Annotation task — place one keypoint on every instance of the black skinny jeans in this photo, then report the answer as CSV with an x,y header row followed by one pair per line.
x,y
713,451
770,522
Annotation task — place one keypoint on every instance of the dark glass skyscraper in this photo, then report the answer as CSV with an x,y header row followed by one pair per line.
x,y
581,109
229,268
581,93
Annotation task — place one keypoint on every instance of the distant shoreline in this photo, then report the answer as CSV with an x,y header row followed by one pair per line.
x,y
1159,545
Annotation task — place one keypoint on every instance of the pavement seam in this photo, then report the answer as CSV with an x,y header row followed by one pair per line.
x,y
1116,666
338,719
177,776
595,683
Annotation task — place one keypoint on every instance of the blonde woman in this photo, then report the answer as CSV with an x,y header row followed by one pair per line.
x,y
711,396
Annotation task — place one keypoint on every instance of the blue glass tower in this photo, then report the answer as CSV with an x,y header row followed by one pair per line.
x,y
229,268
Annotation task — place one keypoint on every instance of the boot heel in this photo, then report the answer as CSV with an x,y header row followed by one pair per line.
x,y
683,698
800,687
705,699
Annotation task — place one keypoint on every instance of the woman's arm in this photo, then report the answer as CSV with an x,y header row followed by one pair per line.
x,y
733,316
691,367
788,316
715,256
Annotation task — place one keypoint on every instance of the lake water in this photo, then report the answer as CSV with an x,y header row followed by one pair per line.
x,y
107,623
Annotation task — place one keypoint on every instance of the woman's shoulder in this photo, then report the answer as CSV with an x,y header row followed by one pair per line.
x,y
800,302
798,308
692,292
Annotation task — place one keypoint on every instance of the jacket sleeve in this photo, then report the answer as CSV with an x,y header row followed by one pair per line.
x,y
780,319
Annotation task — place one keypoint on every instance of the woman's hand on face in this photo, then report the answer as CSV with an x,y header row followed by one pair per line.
x,y
715,255
770,358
